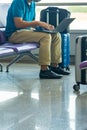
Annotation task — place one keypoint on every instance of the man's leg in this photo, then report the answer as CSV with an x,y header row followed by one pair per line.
x,y
56,55
56,49
44,40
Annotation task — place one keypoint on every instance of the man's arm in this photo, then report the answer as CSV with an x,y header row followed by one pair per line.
x,y
19,23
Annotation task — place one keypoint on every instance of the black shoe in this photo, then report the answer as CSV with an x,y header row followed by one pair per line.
x,y
59,70
48,74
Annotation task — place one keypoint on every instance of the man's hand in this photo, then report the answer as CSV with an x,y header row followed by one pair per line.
x,y
51,27
46,25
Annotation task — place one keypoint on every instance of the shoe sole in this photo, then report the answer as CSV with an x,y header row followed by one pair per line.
x,y
50,77
61,73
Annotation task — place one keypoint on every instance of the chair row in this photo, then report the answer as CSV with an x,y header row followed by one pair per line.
x,y
18,50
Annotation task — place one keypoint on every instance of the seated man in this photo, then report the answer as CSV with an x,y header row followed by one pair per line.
x,y
20,21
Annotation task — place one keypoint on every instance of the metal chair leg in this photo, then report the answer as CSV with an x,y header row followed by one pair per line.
x,y
19,57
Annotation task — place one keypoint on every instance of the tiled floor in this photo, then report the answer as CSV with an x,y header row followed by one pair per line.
x,y
28,103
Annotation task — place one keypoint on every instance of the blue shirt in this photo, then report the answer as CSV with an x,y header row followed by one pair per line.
x,y
19,8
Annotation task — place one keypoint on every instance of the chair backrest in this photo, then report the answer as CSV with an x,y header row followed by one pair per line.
x,y
3,13
2,37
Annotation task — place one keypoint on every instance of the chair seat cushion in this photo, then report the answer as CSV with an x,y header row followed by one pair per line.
x,y
83,65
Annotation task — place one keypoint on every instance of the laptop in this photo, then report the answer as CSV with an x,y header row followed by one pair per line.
x,y
60,28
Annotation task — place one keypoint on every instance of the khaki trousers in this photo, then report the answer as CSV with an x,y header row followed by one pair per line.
x,y
50,45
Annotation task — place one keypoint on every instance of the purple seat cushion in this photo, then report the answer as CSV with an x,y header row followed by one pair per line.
x,y
17,47
83,65
6,52
12,48
21,47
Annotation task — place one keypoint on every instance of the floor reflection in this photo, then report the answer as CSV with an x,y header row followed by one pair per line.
x,y
28,103
81,111
6,95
